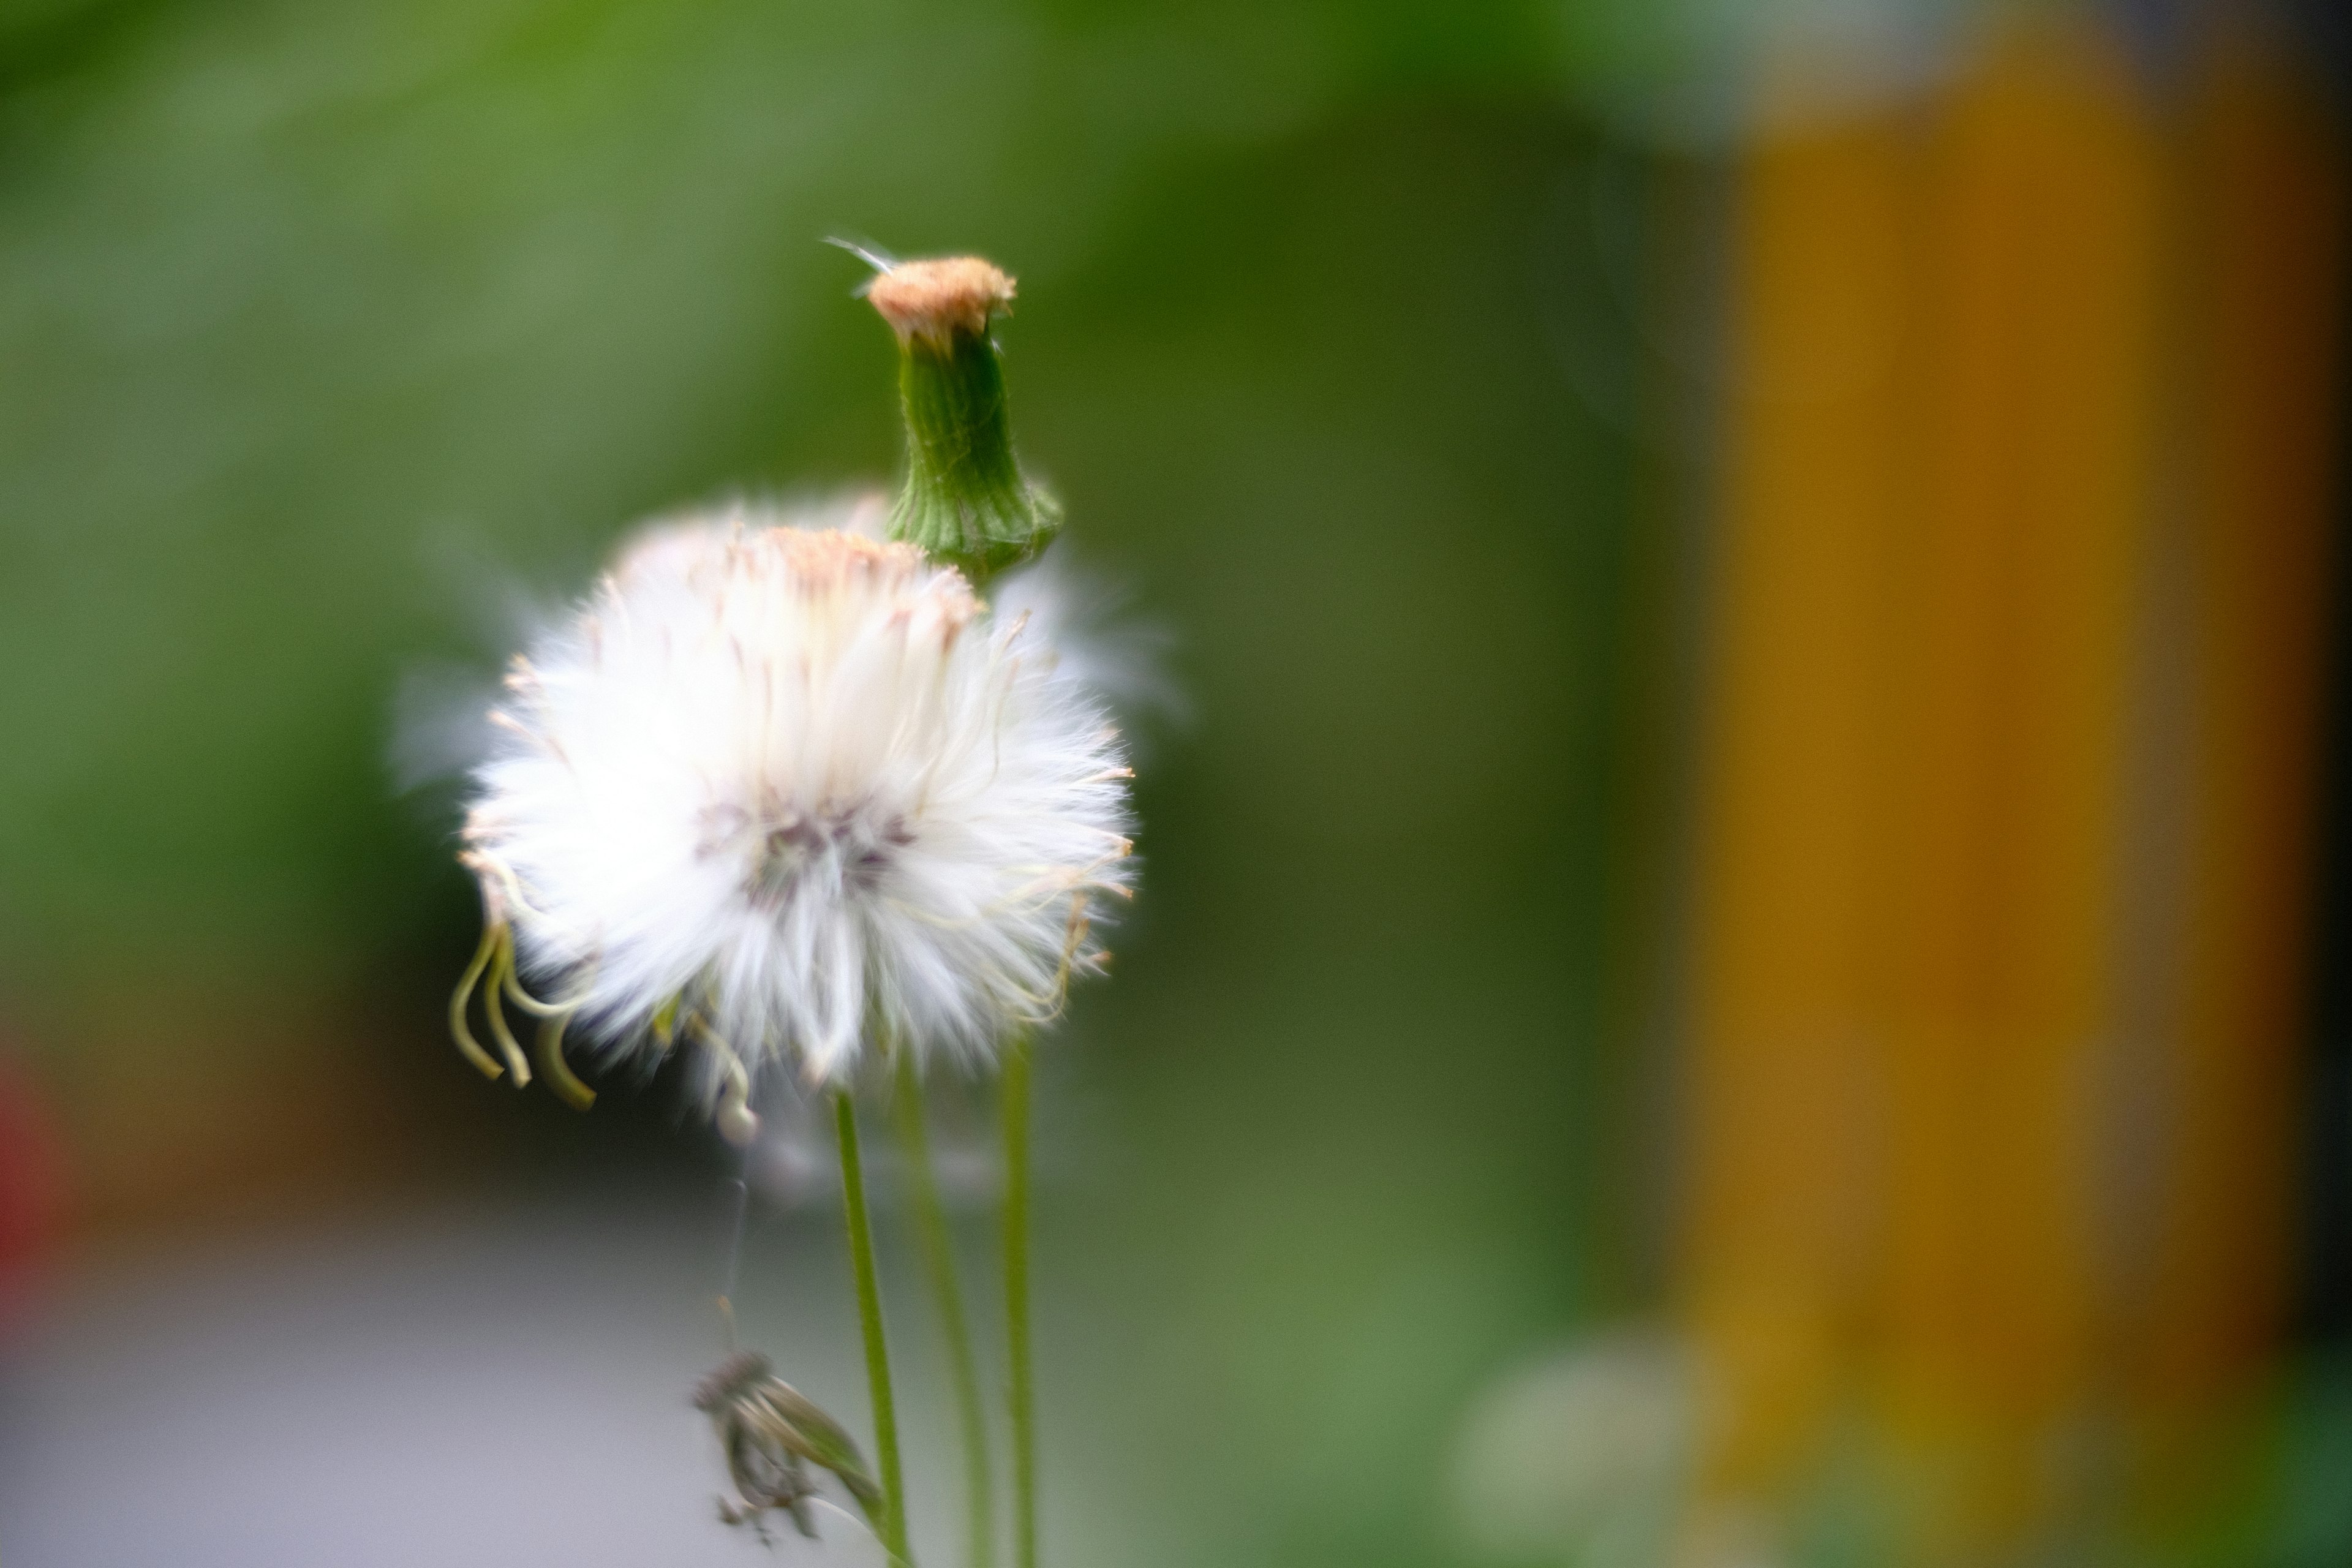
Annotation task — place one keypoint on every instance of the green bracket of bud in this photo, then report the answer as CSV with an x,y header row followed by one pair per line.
x,y
966,501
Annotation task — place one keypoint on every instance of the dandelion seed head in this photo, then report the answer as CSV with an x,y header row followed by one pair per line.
x,y
796,783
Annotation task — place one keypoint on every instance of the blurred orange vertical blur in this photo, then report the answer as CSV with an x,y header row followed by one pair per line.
x,y
2265,235
2007,783
1783,1008
2036,405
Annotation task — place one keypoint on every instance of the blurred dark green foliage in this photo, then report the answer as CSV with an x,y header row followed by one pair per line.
x,y
320,320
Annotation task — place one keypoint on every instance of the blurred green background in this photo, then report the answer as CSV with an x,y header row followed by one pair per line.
x,y
329,330
1368,347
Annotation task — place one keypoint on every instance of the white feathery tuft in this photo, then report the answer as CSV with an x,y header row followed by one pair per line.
x,y
794,783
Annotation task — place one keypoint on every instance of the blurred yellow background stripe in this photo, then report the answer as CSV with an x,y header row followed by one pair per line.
x,y
1997,961
1780,1192
2038,314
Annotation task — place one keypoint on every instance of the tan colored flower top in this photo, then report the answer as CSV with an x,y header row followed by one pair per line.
x,y
936,299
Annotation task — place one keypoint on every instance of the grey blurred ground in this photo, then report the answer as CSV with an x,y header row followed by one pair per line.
x,y
507,1385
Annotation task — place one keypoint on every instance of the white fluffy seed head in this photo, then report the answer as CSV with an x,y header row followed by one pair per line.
x,y
795,784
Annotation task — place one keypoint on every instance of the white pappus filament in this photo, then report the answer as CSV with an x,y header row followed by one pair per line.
x,y
786,788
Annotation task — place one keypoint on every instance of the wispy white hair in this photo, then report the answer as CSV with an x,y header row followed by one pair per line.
x,y
797,786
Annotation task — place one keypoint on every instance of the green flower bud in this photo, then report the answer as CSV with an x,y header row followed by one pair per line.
x,y
966,502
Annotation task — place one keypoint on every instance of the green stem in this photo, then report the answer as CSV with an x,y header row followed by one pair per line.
x,y
870,1322
1016,1304
938,1261
966,500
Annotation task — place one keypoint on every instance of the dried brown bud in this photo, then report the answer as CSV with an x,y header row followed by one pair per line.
x,y
937,300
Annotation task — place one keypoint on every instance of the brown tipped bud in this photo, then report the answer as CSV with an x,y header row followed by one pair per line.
x,y
966,501
938,299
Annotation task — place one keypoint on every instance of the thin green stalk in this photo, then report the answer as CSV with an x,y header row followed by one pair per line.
x,y
939,1262
870,1322
1016,1304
